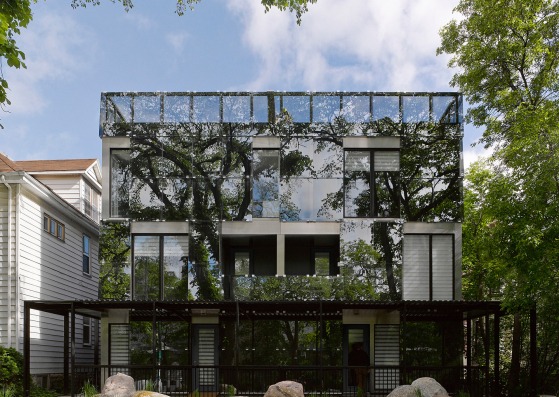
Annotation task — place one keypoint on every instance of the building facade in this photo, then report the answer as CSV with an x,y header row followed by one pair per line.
x,y
270,233
49,228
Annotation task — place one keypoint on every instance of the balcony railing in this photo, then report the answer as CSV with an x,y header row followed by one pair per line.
x,y
212,381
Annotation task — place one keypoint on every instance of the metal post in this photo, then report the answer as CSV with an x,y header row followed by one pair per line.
x,y
487,346
496,332
153,343
469,353
533,354
73,350
66,385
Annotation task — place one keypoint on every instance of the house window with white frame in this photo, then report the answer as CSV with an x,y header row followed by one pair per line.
x,y
86,254
91,202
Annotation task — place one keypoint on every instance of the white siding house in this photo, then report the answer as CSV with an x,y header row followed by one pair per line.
x,y
49,240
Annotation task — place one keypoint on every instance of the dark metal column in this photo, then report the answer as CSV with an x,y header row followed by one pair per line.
x,y
469,353
66,380
496,332
73,349
487,347
533,354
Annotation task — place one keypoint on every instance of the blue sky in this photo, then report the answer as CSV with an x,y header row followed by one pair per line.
x,y
223,45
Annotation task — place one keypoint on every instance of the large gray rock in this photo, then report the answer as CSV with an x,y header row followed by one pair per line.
x,y
145,393
119,385
429,387
404,391
286,388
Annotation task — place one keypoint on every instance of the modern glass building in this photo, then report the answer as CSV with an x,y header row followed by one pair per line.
x,y
269,232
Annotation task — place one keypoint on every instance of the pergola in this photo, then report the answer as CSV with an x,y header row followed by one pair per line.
x,y
157,311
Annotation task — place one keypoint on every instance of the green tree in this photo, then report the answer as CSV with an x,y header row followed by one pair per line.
x,y
16,15
507,53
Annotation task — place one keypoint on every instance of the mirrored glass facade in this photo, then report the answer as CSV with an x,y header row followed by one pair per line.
x,y
242,170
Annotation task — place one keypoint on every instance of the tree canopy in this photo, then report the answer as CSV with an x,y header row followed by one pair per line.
x,y
506,53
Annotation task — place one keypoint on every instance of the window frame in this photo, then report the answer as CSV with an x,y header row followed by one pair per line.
x,y
87,323
86,254
161,260
430,259
54,227
372,183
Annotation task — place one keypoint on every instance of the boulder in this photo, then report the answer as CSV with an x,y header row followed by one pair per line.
x,y
429,387
286,388
145,393
119,385
404,391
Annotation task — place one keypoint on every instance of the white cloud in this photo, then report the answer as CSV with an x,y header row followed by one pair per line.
x,y
141,21
385,46
56,48
177,41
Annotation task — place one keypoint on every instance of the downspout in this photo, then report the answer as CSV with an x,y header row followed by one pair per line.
x,y
17,281
3,179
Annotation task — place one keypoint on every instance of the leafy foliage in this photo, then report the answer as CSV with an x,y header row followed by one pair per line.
x,y
508,55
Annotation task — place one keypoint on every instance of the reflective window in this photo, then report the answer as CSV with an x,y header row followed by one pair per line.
x,y
206,109
356,109
371,183
120,182
147,109
119,109
386,107
444,109
161,267
298,107
236,109
325,108
176,108
322,263
260,109
265,184
242,263
415,109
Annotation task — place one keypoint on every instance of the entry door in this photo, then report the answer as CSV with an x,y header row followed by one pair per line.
x,y
359,333
205,357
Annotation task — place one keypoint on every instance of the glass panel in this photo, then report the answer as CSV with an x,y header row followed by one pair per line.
x,y
387,194
120,182
325,108
298,107
233,193
328,159
177,108
416,109
242,263
147,109
322,263
357,194
175,267
260,109
444,109
297,158
206,109
387,243
265,185
357,161
145,203
328,199
146,267
356,109
120,109
387,161
236,109
386,107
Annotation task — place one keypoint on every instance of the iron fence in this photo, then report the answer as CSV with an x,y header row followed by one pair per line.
x,y
216,381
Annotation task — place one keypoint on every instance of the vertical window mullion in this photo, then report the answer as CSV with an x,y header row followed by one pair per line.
x,y
161,268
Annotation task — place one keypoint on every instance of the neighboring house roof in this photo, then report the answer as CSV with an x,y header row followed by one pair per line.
x,y
32,166
8,165
55,165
